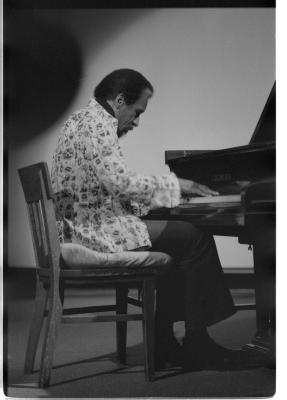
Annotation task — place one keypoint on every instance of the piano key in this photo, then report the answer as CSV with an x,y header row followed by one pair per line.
x,y
234,198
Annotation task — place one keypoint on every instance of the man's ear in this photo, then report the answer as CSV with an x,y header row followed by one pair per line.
x,y
119,100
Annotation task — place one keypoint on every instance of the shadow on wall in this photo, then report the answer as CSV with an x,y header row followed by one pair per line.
x,y
43,66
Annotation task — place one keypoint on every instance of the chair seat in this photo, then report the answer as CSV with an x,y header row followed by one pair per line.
x,y
78,260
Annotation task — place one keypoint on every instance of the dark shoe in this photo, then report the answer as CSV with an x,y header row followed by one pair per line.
x,y
195,357
168,354
216,351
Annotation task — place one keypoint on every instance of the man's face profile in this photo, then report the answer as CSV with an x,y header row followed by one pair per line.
x,y
128,114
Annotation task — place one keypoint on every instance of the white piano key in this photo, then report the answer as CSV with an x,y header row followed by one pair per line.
x,y
233,198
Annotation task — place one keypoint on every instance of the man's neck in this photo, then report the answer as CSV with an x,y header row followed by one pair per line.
x,y
112,105
107,106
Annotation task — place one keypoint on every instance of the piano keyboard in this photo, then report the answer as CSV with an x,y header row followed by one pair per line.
x,y
216,201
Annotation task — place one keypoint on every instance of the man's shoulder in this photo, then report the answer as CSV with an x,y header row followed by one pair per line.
x,y
84,114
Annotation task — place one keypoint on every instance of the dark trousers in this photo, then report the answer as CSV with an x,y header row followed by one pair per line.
x,y
195,289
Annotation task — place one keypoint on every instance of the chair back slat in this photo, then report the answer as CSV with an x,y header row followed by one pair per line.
x,y
38,234
34,217
36,183
43,234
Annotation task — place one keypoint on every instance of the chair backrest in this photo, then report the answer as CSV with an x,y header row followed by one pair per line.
x,y
36,183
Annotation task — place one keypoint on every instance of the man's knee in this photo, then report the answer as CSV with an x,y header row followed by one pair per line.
x,y
189,234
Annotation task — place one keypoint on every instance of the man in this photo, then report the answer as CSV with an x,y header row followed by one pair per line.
x,y
100,202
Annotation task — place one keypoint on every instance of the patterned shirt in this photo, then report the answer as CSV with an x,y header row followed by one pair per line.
x,y
98,198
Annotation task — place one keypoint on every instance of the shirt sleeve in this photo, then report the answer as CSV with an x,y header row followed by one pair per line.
x,y
110,167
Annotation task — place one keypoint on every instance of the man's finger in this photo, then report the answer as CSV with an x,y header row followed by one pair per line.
x,y
209,191
203,193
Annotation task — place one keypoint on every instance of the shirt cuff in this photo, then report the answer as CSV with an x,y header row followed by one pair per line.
x,y
167,194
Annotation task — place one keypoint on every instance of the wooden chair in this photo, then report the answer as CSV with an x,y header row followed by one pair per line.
x,y
120,270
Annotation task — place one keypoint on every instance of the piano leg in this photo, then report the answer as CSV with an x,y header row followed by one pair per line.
x,y
264,269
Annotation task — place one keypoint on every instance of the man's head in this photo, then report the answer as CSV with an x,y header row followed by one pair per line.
x,y
127,91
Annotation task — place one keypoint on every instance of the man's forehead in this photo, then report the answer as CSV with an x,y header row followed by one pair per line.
x,y
148,92
144,97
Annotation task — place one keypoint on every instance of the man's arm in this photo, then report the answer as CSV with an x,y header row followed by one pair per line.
x,y
111,169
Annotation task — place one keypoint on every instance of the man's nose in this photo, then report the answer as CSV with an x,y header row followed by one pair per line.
x,y
136,121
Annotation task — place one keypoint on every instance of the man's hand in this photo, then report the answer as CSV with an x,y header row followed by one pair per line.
x,y
188,187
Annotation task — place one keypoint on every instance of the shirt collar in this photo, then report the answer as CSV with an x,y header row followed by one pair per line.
x,y
102,102
105,105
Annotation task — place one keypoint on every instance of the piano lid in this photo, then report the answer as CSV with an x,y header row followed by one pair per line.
x,y
266,126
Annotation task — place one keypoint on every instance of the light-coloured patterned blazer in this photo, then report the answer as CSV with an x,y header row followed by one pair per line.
x,y
98,199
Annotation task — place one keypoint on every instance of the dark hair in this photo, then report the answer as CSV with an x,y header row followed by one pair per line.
x,y
126,81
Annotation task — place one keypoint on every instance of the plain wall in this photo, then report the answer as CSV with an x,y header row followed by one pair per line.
x,y
212,70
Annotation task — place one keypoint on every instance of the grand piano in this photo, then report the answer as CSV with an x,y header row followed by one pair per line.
x,y
245,208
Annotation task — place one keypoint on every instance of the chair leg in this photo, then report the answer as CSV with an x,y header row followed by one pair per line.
x,y
55,310
36,326
148,298
121,302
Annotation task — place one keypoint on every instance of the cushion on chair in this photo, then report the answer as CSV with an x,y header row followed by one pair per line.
x,y
76,256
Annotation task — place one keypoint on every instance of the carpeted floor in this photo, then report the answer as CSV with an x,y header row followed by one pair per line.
x,y
85,364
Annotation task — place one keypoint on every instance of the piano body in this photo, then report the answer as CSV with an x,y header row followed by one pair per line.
x,y
245,178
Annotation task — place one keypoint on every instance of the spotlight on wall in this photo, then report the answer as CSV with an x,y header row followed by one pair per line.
x,y
42,70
